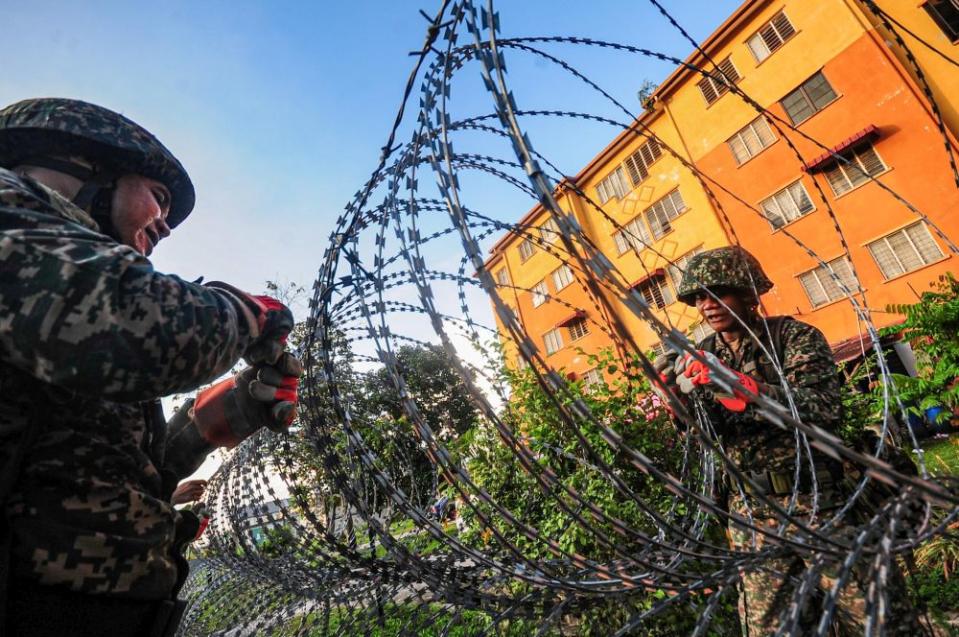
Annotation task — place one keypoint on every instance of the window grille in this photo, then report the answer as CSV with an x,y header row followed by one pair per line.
x,y
577,329
719,81
864,162
751,140
553,340
789,204
945,13
540,293
663,211
639,163
633,235
822,288
614,186
905,250
526,250
655,291
770,37
562,276
812,96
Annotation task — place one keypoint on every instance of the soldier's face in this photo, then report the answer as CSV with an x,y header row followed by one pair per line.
x,y
716,314
140,209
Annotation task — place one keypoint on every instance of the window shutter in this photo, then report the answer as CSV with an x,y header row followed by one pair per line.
x,y
837,180
870,160
885,259
759,49
783,26
924,242
738,147
709,93
813,290
728,70
768,34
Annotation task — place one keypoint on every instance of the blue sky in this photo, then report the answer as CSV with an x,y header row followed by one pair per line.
x,y
278,109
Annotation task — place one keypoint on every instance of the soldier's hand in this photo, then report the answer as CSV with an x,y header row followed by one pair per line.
x,y
260,396
189,491
273,322
692,373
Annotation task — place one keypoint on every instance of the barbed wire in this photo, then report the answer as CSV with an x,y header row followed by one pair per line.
x,y
626,532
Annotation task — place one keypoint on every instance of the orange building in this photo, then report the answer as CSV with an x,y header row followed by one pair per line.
x,y
824,68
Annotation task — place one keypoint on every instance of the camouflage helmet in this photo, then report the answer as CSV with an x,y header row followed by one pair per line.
x,y
50,127
729,266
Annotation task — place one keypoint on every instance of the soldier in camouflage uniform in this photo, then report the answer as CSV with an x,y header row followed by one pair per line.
x,y
724,285
90,337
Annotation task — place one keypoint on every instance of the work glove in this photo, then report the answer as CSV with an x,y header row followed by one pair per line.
x,y
667,377
272,323
260,396
691,373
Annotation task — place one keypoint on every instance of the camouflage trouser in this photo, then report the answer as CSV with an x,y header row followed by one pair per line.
x,y
769,591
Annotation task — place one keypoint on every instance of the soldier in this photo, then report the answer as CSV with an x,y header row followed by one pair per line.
x,y
724,284
90,337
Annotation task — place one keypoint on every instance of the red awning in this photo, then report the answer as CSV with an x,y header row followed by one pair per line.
x,y
578,314
643,279
867,133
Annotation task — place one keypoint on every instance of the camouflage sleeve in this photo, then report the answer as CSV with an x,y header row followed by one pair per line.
x,y
79,311
811,375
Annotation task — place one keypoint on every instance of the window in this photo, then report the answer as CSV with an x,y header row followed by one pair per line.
x,y
945,13
540,293
719,81
787,205
633,235
655,291
577,329
549,231
751,140
526,250
614,186
770,36
639,163
659,349
677,267
502,276
698,333
810,98
905,250
553,340
592,377
821,287
663,211
864,163
562,276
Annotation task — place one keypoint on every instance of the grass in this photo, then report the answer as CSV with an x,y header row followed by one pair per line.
x,y
942,455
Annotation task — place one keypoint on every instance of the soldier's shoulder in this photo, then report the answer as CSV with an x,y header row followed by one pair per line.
x,y
800,335
22,193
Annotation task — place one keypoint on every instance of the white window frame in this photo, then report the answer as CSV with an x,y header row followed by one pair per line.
x,y
540,293
758,132
634,236
919,231
803,90
502,277
592,377
663,211
577,329
698,332
791,203
526,250
641,161
844,177
659,282
549,231
613,186
562,276
771,36
717,83
819,286
553,340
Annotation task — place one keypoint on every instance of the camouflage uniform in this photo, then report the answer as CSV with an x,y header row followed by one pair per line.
x,y
90,336
758,446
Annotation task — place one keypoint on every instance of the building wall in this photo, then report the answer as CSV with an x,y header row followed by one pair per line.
x,y
873,89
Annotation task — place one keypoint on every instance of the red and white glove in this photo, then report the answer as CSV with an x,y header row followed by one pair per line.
x,y
259,396
692,373
667,378
271,324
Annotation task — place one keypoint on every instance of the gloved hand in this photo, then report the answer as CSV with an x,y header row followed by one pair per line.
x,y
667,377
259,396
691,373
273,322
